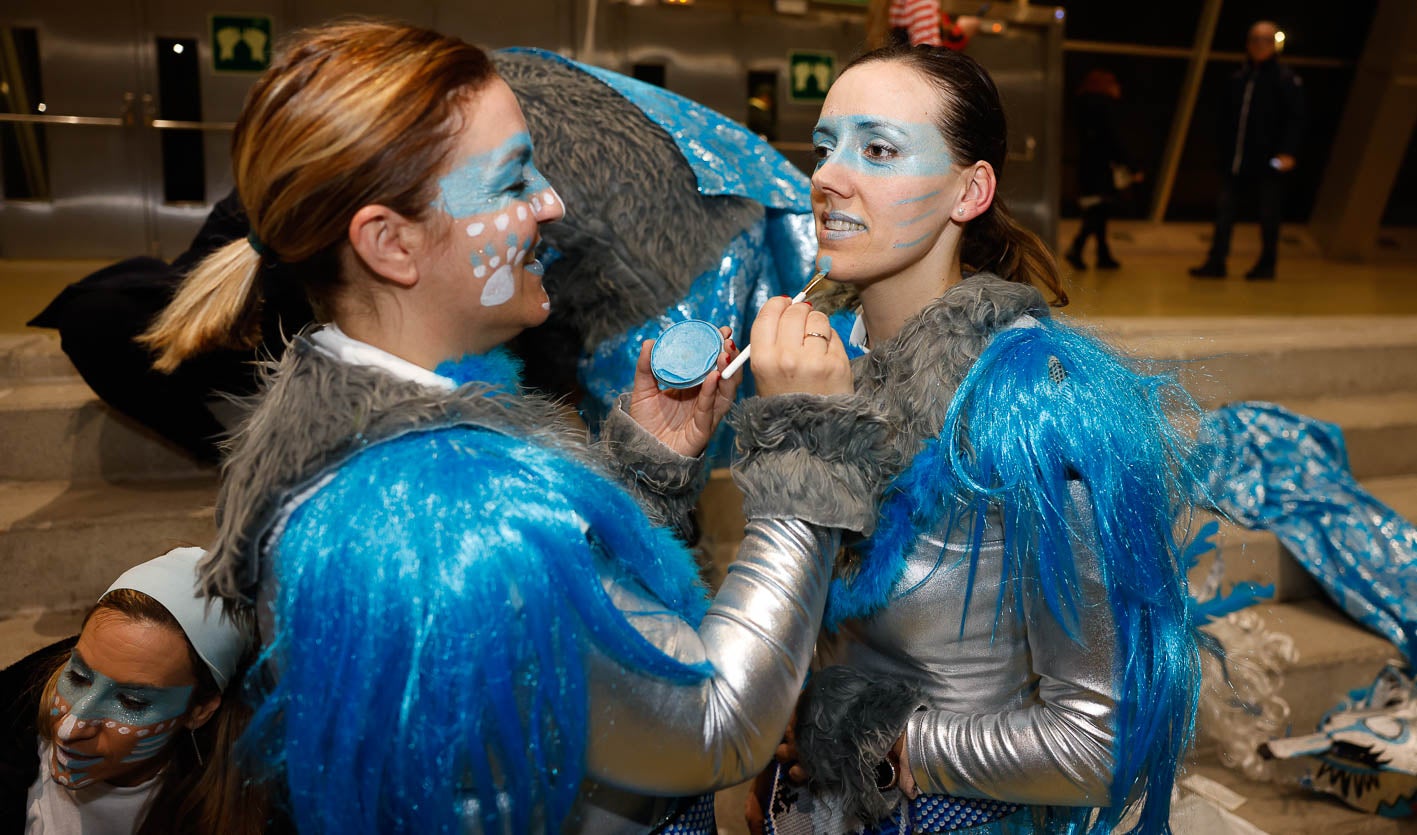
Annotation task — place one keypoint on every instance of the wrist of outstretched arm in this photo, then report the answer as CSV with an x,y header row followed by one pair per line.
x,y
820,458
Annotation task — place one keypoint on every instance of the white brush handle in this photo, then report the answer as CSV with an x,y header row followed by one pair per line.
x,y
748,349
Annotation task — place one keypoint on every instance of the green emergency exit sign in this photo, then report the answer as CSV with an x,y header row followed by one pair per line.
x,y
809,74
241,43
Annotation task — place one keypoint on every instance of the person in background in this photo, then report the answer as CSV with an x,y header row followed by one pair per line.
x,y
914,22
129,727
474,619
1260,130
1103,168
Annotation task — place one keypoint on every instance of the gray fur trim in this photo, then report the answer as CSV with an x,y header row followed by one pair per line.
x,y
312,413
820,459
636,232
846,724
666,483
912,378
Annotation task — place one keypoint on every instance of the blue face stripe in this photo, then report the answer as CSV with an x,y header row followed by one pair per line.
x,y
935,193
914,220
915,242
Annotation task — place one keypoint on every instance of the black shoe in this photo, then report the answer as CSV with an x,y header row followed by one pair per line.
x,y
1108,263
1075,259
1261,272
1209,269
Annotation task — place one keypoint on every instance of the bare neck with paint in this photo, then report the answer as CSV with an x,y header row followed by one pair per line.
x,y
888,302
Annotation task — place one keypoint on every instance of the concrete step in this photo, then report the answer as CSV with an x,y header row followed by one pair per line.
x,y
63,543
1258,557
58,430
1269,808
1380,430
1225,359
34,356
1335,656
31,629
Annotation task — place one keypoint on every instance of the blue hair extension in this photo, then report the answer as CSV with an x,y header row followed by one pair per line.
x,y
436,600
1047,405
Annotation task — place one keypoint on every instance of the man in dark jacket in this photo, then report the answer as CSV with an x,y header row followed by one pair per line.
x,y
1259,129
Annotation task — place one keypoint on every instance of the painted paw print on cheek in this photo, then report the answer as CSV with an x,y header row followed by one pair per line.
x,y
500,258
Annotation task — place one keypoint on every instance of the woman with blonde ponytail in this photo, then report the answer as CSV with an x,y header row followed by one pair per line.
x,y
1011,650
473,619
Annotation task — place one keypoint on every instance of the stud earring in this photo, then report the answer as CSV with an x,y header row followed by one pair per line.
x,y
960,211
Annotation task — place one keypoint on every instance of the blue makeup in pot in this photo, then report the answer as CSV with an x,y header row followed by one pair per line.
x,y
491,181
877,146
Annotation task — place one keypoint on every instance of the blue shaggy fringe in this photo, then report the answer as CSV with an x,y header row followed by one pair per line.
x,y
499,368
1041,407
436,600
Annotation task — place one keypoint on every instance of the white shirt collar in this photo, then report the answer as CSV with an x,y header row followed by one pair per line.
x,y
336,343
858,338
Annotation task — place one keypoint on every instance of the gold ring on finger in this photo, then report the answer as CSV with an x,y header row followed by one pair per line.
x,y
820,335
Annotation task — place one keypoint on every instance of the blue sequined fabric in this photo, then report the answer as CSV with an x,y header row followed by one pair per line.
x,y
1275,470
771,258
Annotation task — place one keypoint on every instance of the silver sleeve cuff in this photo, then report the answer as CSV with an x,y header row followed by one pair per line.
x,y
656,737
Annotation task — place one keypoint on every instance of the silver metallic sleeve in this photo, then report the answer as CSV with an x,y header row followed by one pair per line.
x,y
656,737
1058,748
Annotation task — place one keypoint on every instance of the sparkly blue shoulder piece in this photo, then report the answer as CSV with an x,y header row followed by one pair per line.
x,y
727,158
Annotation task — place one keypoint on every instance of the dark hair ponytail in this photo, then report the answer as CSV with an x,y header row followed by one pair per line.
x,y
971,119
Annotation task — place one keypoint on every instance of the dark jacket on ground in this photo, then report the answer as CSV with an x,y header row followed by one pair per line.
x,y
20,686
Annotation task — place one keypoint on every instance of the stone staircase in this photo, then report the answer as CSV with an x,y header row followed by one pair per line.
x,y
84,494
1358,372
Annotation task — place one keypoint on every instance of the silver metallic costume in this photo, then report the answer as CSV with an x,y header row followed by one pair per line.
x,y
1019,710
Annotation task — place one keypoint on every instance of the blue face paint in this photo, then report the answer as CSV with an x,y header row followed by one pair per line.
x,y
824,264
914,220
92,695
136,722
877,146
492,181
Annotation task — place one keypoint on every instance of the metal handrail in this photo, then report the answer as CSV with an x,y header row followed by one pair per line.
x,y
177,124
46,119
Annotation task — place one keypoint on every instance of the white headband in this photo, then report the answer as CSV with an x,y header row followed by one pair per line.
x,y
171,580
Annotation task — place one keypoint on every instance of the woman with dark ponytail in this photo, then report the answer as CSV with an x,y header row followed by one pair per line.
x,y
1011,650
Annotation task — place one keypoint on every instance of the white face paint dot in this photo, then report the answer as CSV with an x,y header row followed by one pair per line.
x,y
125,730
521,213
500,288
546,305
143,732
502,222
511,253
521,256
551,197
475,229
479,271
536,205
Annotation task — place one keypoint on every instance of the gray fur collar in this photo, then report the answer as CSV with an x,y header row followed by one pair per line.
x,y
313,412
912,378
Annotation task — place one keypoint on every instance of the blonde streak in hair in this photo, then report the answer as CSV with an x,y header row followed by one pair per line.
x,y
214,308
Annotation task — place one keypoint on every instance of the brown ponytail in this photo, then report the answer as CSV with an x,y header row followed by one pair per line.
x,y
217,306
350,114
971,119
996,242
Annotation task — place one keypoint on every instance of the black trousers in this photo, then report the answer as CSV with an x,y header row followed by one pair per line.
x,y
1267,188
1094,223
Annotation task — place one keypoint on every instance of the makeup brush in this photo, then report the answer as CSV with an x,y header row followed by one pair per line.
x,y
743,357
